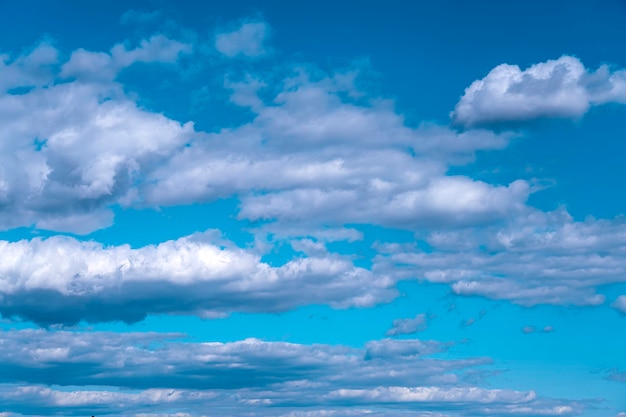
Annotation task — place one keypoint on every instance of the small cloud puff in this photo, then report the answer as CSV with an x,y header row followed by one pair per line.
x,y
533,329
248,40
408,326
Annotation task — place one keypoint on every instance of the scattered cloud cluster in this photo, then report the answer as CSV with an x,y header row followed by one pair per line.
x,y
543,258
561,88
312,155
317,153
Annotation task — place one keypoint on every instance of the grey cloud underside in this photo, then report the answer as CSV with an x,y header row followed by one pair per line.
x,y
63,280
164,373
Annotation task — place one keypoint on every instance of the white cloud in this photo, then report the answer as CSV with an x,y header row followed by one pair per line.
x,y
158,48
313,157
248,40
72,149
433,395
557,88
33,69
191,275
90,66
319,154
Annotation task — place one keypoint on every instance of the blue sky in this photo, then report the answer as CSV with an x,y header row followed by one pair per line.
x,y
308,209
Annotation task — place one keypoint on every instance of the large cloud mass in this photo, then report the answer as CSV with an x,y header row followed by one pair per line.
x,y
63,280
74,144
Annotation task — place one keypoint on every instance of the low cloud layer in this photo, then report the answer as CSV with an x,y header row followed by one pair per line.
x,y
163,372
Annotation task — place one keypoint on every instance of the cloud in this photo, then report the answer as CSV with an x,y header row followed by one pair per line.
x,y
192,275
620,304
73,149
561,88
317,153
160,374
408,326
388,348
248,40
320,152
539,258
89,66
33,69
433,395
317,157
158,48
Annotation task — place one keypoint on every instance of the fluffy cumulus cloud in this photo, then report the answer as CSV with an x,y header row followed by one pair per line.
x,y
542,258
199,274
161,374
69,150
248,40
561,88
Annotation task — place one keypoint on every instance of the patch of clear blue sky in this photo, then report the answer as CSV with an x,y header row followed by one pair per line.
x,y
425,54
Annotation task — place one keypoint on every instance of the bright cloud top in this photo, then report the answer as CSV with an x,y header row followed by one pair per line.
x,y
561,88
192,275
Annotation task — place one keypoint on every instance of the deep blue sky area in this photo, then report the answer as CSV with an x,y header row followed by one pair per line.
x,y
312,209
